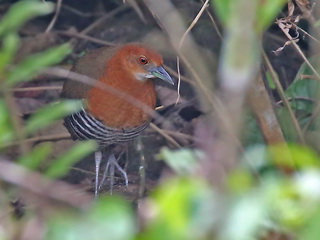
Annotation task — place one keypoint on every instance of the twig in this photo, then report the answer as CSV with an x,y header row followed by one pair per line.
x,y
101,20
86,37
165,135
293,42
93,82
213,22
297,98
54,137
43,187
42,88
177,75
55,17
284,99
142,168
77,12
179,134
193,23
179,79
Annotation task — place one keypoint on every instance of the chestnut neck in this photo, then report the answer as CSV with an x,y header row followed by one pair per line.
x,y
117,111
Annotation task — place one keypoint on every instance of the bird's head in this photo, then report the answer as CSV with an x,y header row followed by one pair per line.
x,y
143,63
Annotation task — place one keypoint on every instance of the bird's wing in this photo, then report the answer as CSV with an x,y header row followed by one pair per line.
x,y
92,65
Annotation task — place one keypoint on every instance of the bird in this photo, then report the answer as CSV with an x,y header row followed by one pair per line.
x,y
113,117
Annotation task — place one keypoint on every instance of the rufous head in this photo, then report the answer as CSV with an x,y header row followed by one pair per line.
x,y
142,62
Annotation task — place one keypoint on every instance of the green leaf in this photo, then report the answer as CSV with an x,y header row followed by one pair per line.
x,y
6,128
310,231
223,9
303,94
293,156
32,65
51,113
110,218
304,91
181,210
286,124
270,80
10,44
182,161
267,12
62,165
21,12
33,159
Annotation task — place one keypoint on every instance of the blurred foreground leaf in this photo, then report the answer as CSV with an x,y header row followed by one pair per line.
x,y
63,164
293,156
32,65
181,208
21,12
10,45
38,154
6,128
49,114
267,12
110,218
182,161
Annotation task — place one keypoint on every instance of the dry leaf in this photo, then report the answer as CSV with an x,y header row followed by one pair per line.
x,y
303,3
290,8
285,25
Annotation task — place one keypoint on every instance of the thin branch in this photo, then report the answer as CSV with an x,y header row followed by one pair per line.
x,y
55,17
44,188
86,37
165,135
42,88
284,99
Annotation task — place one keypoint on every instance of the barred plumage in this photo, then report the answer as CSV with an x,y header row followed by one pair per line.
x,y
83,126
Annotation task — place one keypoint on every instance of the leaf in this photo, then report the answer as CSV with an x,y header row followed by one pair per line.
x,y
245,218
293,156
287,126
51,113
62,165
223,9
267,11
110,218
6,128
21,12
32,65
270,80
10,44
181,210
182,161
305,89
310,231
33,159
303,94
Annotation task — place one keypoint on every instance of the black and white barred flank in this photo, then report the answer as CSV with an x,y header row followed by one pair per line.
x,y
83,126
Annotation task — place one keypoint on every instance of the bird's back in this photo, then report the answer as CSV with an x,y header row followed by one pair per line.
x,y
92,65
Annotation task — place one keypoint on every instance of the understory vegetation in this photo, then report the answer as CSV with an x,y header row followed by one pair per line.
x,y
235,157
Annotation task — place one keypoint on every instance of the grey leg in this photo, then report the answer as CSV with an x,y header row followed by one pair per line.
x,y
97,157
110,167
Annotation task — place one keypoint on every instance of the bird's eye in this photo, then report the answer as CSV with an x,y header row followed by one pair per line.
x,y
143,60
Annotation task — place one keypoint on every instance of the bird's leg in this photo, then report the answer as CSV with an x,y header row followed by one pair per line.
x,y
97,157
111,165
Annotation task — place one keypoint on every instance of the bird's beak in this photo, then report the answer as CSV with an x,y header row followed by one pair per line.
x,y
161,73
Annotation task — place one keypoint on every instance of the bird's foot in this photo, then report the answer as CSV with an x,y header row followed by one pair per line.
x,y
109,171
